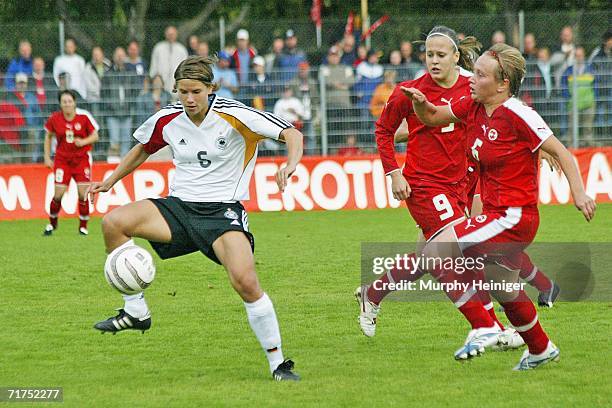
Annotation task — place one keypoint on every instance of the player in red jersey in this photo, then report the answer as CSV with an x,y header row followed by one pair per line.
x,y
504,136
76,130
433,179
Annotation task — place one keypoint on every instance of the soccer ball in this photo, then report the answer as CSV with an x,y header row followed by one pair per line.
x,y
131,270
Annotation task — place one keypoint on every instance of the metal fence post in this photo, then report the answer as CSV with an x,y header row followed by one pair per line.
x,y
323,112
61,32
575,130
221,33
521,21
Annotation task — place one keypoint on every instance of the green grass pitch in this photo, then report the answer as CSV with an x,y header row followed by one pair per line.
x,y
200,351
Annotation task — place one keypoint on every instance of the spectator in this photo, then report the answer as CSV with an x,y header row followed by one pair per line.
x,y
166,56
530,49
498,37
43,85
339,79
362,55
349,52
119,93
563,56
369,75
242,57
306,89
152,101
601,61
22,64
135,63
406,51
350,148
203,49
94,72
225,76
27,104
73,65
260,86
290,108
193,44
291,56
382,93
421,66
538,85
273,57
583,74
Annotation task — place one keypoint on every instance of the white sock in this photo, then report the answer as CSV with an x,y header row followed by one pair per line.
x,y
136,306
262,319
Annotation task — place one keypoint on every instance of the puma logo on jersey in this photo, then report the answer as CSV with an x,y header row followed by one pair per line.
x,y
447,101
182,142
484,129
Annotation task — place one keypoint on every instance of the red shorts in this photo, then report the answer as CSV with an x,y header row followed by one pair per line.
x,y
434,206
500,235
78,168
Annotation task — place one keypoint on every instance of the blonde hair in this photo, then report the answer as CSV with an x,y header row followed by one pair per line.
x,y
197,68
468,48
511,65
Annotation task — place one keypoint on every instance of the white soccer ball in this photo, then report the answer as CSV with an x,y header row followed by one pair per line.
x,y
129,270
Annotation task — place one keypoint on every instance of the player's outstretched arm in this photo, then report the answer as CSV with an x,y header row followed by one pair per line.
x,y
583,202
427,112
295,142
130,162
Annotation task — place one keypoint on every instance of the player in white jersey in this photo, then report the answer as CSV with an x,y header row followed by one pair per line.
x,y
214,145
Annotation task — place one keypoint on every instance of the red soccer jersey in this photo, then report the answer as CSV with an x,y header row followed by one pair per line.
x,y
505,145
65,131
435,154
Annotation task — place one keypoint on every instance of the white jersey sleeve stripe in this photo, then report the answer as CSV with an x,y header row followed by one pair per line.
x,y
531,118
85,112
228,103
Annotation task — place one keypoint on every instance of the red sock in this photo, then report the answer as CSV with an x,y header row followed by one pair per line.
x,y
487,303
523,316
468,302
54,209
83,213
533,276
394,275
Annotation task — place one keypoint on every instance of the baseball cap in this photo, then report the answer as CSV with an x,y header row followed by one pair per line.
x,y
21,77
224,55
289,33
258,60
304,65
334,50
242,34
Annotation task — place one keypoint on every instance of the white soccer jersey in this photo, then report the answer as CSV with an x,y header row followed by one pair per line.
x,y
214,161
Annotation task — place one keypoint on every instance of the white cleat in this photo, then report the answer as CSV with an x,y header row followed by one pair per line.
x,y
530,361
368,312
476,342
509,339
83,231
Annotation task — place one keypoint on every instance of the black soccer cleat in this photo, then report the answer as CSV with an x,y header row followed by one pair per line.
x,y
546,299
123,321
283,372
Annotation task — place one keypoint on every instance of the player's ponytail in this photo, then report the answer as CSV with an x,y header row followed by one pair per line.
x,y
469,49
197,68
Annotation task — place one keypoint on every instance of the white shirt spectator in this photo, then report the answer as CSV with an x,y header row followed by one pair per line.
x,y
164,60
74,66
291,109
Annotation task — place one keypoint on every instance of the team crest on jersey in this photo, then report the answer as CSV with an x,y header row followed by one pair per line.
x,y
221,142
231,214
492,135
481,218
77,126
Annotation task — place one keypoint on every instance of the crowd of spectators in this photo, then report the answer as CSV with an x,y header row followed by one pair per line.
x,y
123,90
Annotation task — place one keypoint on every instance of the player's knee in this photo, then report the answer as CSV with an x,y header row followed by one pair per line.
x,y
111,223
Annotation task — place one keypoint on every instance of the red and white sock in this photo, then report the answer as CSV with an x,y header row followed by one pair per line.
x,y
83,213
534,276
487,302
54,209
523,316
394,275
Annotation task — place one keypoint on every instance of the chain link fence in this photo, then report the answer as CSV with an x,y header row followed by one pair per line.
x,y
335,108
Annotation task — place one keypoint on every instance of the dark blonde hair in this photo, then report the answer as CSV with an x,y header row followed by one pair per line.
x,y
197,68
468,48
511,65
